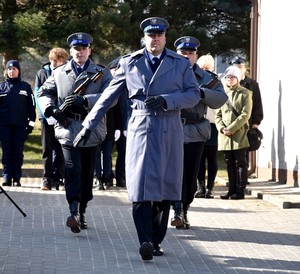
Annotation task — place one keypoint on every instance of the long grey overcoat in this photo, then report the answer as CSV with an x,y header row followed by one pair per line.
x,y
62,83
154,152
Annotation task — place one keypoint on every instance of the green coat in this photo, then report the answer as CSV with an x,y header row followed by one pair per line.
x,y
241,99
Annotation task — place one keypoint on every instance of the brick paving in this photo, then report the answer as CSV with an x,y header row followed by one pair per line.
x,y
246,236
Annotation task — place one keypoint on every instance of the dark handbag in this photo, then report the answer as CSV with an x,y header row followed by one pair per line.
x,y
254,137
254,134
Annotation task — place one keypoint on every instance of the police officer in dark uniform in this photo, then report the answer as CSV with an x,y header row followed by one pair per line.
x,y
196,127
59,90
17,117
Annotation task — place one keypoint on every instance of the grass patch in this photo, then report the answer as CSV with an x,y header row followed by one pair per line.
x,y
33,153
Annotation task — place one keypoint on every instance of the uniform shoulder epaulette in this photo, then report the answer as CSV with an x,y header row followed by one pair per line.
x,y
212,74
101,66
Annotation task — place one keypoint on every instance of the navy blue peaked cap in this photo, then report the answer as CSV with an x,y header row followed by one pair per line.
x,y
237,60
80,39
187,43
154,25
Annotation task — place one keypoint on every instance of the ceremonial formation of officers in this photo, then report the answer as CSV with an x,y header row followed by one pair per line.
x,y
166,95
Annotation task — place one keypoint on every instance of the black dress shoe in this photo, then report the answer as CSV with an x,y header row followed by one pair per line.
x,y
237,196
146,251
158,251
226,196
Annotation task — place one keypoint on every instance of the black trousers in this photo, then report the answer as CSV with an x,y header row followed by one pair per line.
x,y
52,156
120,162
12,140
79,170
209,154
151,220
191,165
237,170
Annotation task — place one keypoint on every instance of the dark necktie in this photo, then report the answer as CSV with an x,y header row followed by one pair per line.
x,y
79,70
156,63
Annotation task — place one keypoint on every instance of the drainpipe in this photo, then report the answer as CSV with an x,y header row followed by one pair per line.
x,y
253,68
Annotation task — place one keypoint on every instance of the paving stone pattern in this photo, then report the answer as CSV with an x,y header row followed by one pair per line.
x,y
246,236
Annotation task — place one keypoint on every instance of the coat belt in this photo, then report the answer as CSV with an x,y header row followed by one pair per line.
x,y
146,112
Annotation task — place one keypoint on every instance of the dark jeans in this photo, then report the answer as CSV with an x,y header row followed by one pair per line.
x,y
12,141
237,170
151,220
79,169
52,156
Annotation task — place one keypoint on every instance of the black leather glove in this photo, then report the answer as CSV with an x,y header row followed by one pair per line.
x,y
155,102
82,136
57,114
29,129
75,100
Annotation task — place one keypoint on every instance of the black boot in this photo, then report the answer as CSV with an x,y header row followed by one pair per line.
x,y
73,219
177,220
226,196
239,195
7,182
201,192
82,217
186,223
210,190
16,182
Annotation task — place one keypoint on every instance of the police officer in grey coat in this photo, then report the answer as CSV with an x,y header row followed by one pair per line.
x,y
158,90
58,89
196,127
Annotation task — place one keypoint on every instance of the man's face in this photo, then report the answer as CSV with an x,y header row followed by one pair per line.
x,y
191,55
155,43
80,54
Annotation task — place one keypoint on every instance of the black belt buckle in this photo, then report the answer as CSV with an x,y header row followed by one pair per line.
x,y
77,116
183,121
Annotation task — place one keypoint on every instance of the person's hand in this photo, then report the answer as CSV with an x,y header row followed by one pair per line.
x,y
57,114
155,102
117,134
226,132
82,136
29,129
75,100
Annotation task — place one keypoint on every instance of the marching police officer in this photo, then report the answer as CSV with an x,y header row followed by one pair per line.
x,y
59,90
196,127
158,89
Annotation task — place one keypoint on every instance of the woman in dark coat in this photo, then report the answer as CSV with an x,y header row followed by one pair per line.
x,y
17,117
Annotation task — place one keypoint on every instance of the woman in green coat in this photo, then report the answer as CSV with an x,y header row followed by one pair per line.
x,y
232,123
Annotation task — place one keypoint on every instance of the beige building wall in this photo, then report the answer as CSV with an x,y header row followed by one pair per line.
x,y
278,76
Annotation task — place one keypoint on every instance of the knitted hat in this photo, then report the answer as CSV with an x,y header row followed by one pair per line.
x,y
233,71
13,63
